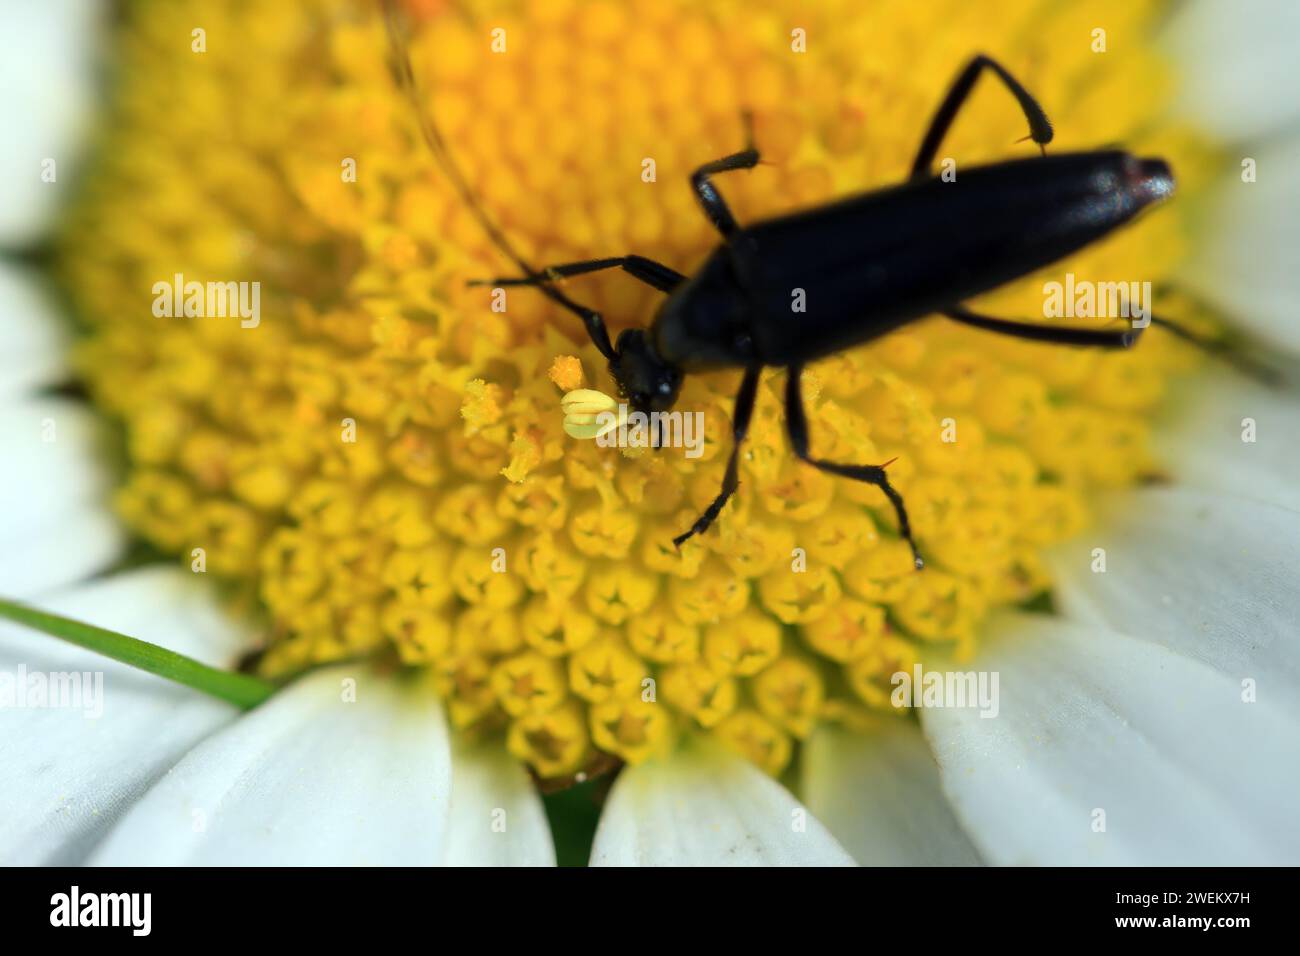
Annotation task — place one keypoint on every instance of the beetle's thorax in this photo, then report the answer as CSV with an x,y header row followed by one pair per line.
x,y
707,322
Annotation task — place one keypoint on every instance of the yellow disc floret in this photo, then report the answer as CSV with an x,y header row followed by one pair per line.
x,y
392,462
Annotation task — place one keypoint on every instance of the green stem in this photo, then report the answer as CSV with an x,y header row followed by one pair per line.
x,y
239,689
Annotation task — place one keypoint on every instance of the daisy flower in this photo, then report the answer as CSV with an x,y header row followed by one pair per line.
x,y
364,484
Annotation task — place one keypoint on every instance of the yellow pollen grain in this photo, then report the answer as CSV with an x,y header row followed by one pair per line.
x,y
566,372
383,461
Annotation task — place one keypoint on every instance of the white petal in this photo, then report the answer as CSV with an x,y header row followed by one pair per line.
x,y
1094,722
68,776
497,818
46,72
83,541
162,605
879,794
707,807
1201,439
1245,260
308,778
55,528
33,340
52,447
1212,578
1239,64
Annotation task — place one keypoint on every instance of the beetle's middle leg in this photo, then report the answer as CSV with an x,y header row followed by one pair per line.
x,y
715,207
1040,128
796,423
654,274
740,417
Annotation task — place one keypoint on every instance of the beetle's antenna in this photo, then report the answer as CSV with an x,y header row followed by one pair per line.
x,y
433,136
442,155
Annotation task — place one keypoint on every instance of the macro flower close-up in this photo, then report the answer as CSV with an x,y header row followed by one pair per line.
x,y
643,432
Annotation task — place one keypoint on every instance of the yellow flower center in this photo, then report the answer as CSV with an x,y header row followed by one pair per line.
x,y
381,460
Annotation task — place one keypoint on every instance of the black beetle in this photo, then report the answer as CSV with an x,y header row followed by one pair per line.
x,y
865,266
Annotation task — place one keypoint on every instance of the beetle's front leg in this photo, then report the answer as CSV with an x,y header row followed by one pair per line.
x,y
592,321
654,274
796,423
740,417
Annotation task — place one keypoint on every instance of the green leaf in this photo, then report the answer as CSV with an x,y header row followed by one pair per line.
x,y
241,690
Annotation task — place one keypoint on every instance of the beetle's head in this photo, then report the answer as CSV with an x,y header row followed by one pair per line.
x,y
647,382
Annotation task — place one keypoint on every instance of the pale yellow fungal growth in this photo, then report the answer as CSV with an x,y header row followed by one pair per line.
x,y
589,414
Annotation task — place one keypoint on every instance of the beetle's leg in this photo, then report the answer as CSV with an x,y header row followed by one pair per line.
x,y
647,270
592,320
1240,351
1040,129
715,207
740,417
1225,351
652,273
796,423
1101,338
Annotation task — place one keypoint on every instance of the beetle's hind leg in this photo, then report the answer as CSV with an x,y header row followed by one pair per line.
x,y
740,417
715,207
1058,335
654,274
1250,365
796,423
1040,128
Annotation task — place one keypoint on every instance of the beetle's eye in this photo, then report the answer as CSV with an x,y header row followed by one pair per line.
x,y
665,388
